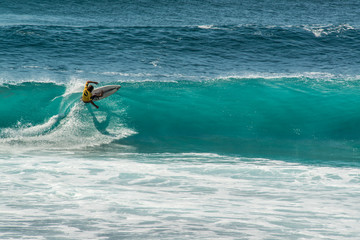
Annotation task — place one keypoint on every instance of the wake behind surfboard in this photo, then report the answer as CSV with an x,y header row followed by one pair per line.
x,y
107,91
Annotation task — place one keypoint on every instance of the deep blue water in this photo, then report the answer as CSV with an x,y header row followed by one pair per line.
x,y
236,119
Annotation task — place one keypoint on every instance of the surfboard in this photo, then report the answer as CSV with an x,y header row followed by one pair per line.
x,y
107,91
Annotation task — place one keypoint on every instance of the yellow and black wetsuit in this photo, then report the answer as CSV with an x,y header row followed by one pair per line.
x,y
86,96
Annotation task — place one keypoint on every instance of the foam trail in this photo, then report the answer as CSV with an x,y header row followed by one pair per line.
x,y
74,124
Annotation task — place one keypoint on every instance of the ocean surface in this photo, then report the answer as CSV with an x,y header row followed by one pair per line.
x,y
235,119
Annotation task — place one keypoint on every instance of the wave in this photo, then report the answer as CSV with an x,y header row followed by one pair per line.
x,y
129,51
229,114
177,53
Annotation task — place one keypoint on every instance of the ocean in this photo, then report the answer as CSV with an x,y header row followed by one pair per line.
x,y
235,119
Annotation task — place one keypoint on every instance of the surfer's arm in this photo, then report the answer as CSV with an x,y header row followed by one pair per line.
x,y
91,82
94,104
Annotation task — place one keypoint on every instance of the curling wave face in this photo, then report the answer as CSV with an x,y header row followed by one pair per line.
x,y
223,115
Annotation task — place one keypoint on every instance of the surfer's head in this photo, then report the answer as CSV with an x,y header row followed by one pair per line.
x,y
90,88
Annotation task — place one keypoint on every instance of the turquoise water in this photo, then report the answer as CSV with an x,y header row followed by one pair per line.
x,y
234,120
283,117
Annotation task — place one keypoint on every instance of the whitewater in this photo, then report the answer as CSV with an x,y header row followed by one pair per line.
x,y
235,120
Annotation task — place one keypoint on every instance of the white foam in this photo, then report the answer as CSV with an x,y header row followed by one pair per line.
x,y
143,198
9,81
22,130
206,26
324,30
74,131
313,75
125,74
75,85
320,77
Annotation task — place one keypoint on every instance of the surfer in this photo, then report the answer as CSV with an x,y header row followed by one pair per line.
x,y
87,97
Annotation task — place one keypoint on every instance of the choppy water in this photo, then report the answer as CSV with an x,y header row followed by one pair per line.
x,y
234,120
